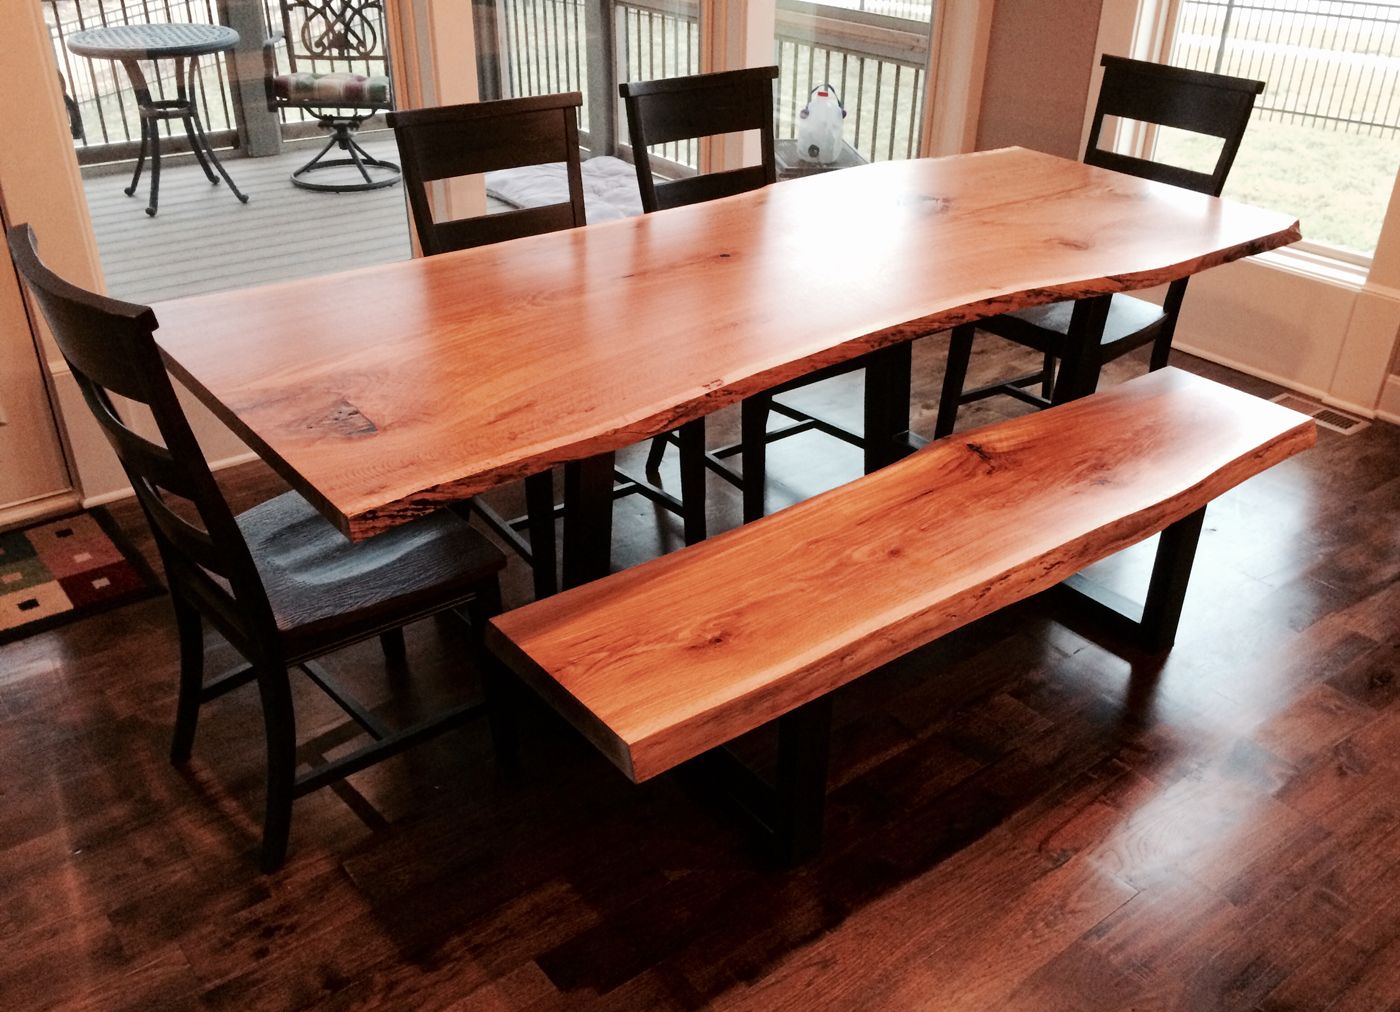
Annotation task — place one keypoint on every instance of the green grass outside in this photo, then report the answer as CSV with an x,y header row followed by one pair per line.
x,y
1337,184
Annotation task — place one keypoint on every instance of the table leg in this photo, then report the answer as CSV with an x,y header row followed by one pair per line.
x,y
150,131
887,389
588,502
1079,368
199,140
130,191
184,88
692,437
154,204
539,507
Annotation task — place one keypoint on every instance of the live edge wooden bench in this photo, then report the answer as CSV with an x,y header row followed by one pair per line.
x,y
676,657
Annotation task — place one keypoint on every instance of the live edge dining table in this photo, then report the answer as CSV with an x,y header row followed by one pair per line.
x,y
384,393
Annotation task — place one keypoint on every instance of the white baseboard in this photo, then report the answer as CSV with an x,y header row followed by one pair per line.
x,y
1361,410
1389,408
1248,370
36,509
127,492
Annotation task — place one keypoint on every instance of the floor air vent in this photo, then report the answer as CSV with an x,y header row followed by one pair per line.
x,y
1328,418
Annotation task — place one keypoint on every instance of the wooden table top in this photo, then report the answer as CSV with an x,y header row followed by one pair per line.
x,y
386,392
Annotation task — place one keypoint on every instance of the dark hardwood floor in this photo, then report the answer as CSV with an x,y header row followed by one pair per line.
x,y
1020,818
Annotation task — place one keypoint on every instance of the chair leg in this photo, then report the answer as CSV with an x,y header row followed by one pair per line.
x,y
954,379
655,455
191,632
1047,377
279,723
693,480
753,436
539,508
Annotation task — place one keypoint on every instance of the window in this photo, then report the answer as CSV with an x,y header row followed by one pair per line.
x,y
871,57
1324,142
546,46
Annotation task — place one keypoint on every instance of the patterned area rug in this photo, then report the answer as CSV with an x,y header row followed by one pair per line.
x,y
61,570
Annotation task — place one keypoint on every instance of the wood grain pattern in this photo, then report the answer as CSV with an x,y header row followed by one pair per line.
x,y
481,367
661,662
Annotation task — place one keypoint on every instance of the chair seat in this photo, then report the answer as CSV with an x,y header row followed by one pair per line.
x,y
1127,317
332,89
325,589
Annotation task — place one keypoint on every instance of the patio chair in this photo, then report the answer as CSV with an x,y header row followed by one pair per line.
x,y
465,140
1192,100
326,31
278,582
704,105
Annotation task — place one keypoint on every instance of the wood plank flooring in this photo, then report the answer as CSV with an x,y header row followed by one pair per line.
x,y
1020,818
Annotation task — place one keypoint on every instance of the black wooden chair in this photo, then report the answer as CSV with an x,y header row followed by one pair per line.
x,y
465,140
705,105
1191,100
349,31
278,582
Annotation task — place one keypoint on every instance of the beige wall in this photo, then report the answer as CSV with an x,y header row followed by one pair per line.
x,y
1038,69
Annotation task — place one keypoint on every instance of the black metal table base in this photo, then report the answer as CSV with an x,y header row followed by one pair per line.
x,y
1154,626
789,811
182,108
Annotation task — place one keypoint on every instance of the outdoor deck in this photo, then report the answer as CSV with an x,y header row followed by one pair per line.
x,y
204,240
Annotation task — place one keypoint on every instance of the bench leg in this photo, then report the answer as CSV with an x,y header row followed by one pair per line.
x,y
804,738
1166,592
1155,630
787,811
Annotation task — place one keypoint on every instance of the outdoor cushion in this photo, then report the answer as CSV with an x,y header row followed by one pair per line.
x,y
332,89
609,187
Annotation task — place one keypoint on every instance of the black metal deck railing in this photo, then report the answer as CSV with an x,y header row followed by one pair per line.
x,y
874,58
1329,64
875,62
99,87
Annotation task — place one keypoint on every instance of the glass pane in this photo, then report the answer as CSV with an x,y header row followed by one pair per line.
x,y
193,234
658,39
1324,141
857,68
541,48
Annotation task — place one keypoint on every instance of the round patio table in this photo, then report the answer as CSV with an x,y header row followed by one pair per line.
x,y
185,44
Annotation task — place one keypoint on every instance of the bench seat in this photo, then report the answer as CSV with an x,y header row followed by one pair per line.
x,y
667,660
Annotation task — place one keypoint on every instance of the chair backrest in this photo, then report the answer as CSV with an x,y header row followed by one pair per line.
x,y
1191,100
335,30
110,349
463,140
703,105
